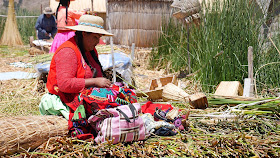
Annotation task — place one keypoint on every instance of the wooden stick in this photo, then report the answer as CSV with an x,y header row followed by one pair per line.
x,y
250,62
111,43
132,51
131,67
92,5
250,70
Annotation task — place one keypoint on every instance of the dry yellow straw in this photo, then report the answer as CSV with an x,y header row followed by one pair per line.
x,y
11,36
274,45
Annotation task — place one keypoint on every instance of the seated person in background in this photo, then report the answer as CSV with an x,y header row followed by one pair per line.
x,y
46,25
77,79
65,17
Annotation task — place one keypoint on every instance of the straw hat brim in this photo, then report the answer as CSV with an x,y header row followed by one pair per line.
x,y
48,12
89,29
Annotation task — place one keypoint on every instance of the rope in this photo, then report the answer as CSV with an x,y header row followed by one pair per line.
x,y
2,135
23,125
21,16
16,138
45,120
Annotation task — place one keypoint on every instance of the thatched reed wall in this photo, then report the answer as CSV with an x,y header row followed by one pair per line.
x,y
137,21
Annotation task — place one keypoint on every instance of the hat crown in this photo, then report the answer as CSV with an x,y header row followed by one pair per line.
x,y
90,19
48,9
90,23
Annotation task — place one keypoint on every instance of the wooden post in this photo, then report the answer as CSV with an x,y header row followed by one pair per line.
x,y
251,70
249,82
186,22
250,62
31,39
131,67
92,6
111,43
189,57
132,51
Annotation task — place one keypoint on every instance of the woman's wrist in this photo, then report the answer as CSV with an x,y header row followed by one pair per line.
x,y
89,82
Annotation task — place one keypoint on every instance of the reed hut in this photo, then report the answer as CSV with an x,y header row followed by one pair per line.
x,y
137,21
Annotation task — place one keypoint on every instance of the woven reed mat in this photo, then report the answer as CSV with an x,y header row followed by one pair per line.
x,y
28,132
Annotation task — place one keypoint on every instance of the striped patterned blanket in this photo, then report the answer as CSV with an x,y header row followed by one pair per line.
x,y
119,124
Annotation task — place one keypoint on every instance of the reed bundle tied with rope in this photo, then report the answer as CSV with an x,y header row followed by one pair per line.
x,y
28,132
11,35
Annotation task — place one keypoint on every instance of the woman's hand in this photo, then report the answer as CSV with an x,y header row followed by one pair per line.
x,y
87,9
100,82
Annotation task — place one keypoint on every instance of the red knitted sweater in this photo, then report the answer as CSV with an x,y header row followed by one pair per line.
x,y
66,70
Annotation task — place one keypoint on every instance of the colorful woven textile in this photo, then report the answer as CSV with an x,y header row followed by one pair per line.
x,y
121,124
95,99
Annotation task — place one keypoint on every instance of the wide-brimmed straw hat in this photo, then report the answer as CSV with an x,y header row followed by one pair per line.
x,y
90,23
48,10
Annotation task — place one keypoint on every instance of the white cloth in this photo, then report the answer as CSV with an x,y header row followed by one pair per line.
x,y
42,43
17,75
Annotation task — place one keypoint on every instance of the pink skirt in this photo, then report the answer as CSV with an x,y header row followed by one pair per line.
x,y
60,38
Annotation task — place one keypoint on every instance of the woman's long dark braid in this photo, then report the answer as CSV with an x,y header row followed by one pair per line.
x,y
65,4
79,41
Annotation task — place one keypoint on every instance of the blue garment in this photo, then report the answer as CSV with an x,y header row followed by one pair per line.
x,y
46,25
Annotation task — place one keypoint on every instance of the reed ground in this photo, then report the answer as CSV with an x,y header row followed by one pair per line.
x,y
255,133
20,97
248,136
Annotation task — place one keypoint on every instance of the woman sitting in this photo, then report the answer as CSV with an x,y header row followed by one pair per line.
x,y
77,78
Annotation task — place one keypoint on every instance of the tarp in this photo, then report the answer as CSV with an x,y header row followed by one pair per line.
x,y
17,75
121,60
122,63
98,6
